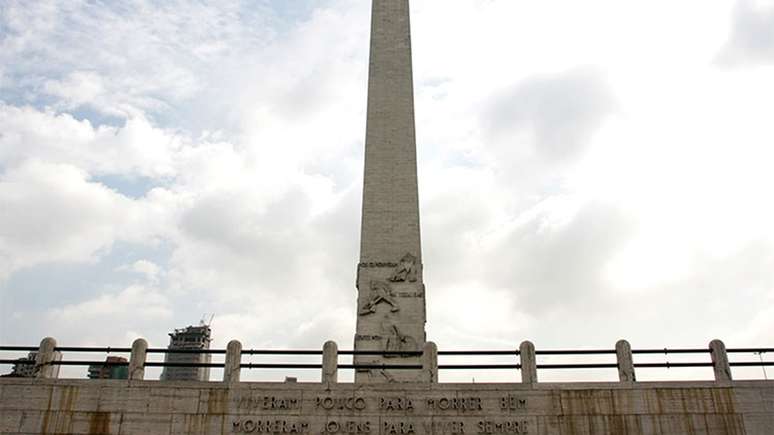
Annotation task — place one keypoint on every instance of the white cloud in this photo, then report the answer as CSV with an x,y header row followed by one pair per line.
x,y
110,315
148,269
54,213
77,89
576,187
135,149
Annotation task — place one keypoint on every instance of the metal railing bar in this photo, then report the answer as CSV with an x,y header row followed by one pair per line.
x,y
183,364
576,352
93,349
381,366
577,366
751,350
479,366
195,351
672,364
17,361
478,352
398,366
319,366
668,351
109,349
18,348
89,363
280,352
279,366
380,352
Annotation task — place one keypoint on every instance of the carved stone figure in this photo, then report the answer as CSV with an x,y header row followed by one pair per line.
x,y
381,292
397,342
406,269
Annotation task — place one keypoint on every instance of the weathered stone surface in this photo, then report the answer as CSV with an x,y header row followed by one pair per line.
x,y
137,359
152,407
391,293
330,364
528,363
623,351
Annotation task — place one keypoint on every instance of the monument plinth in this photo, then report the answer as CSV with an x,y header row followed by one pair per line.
x,y
391,293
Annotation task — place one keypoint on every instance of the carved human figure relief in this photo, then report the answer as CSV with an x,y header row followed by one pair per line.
x,y
381,292
398,342
406,270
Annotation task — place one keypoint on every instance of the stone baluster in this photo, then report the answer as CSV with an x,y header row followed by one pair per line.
x,y
330,363
46,356
720,361
623,352
430,362
137,360
528,363
232,368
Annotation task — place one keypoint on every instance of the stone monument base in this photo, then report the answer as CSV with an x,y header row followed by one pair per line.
x,y
61,406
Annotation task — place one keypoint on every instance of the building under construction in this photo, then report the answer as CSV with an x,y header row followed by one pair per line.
x,y
113,368
191,338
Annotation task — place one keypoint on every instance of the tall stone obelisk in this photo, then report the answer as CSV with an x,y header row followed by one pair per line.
x,y
391,293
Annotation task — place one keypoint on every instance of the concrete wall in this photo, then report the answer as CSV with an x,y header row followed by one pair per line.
x,y
58,406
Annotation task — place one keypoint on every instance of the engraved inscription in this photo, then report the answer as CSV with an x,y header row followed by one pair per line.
x,y
268,403
368,337
396,404
347,427
251,425
397,427
445,427
340,403
513,403
455,403
378,264
493,427
411,294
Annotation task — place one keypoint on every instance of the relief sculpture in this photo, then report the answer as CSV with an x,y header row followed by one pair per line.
x,y
381,292
398,342
406,270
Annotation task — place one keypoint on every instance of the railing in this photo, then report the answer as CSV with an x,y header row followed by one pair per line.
x,y
49,358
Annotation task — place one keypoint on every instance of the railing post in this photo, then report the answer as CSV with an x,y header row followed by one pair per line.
x,y
232,368
623,352
46,355
528,363
430,362
330,363
720,361
137,360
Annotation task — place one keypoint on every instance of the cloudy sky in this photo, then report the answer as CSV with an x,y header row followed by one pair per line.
x,y
589,171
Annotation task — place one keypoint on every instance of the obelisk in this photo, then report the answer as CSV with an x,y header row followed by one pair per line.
x,y
391,293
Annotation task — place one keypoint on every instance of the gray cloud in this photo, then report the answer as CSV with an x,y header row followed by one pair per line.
x,y
555,113
751,41
555,266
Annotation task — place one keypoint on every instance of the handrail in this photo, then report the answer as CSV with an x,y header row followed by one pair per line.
x,y
108,349
526,358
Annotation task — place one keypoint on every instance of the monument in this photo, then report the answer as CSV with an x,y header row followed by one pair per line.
x,y
391,293
396,389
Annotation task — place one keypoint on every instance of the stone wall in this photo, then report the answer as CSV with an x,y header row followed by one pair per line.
x,y
60,406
